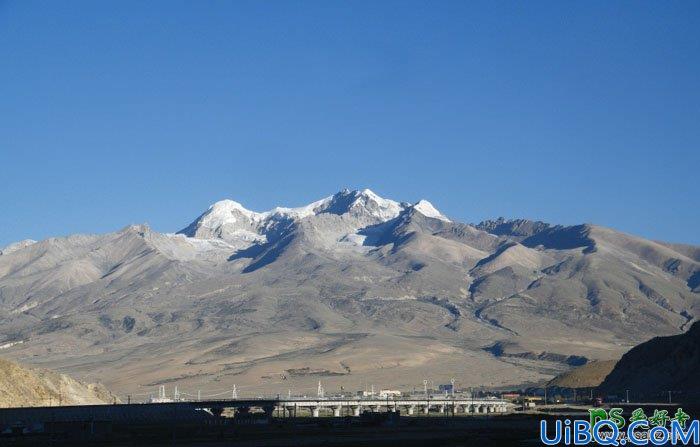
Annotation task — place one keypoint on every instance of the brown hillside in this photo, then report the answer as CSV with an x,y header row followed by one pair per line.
x,y
21,386
589,375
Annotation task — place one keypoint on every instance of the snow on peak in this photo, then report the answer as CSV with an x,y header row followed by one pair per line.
x,y
428,210
17,246
363,202
225,207
300,212
226,212
384,209
360,203
231,221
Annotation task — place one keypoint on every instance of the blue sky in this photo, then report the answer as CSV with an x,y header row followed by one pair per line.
x,y
124,112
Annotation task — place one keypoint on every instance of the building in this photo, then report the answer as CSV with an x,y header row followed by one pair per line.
x,y
447,389
389,393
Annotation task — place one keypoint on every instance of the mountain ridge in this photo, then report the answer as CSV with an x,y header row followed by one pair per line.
x,y
385,288
659,365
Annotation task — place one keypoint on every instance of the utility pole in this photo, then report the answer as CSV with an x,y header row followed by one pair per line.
x,y
627,392
545,395
669,397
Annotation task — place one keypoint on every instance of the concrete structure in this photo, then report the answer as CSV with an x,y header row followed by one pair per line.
x,y
212,409
406,405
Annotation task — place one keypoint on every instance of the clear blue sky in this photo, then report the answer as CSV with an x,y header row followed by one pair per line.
x,y
123,112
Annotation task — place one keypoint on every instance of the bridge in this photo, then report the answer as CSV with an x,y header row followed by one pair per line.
x,y
408,405
213,409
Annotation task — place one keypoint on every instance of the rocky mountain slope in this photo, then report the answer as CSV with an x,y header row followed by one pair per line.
x,y
351,289
659,365
590,375
21,386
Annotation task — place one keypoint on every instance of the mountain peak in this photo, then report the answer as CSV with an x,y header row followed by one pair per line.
x,y
17,246
376,206
512,227
225,209
229,220
428,210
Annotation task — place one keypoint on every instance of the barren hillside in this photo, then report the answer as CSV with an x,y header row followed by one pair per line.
x,y
21,386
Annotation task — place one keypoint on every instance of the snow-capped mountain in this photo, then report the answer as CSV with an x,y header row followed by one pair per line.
x,y
232,222
350,288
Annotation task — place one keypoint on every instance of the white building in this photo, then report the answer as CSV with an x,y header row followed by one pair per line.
x,y
389,393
